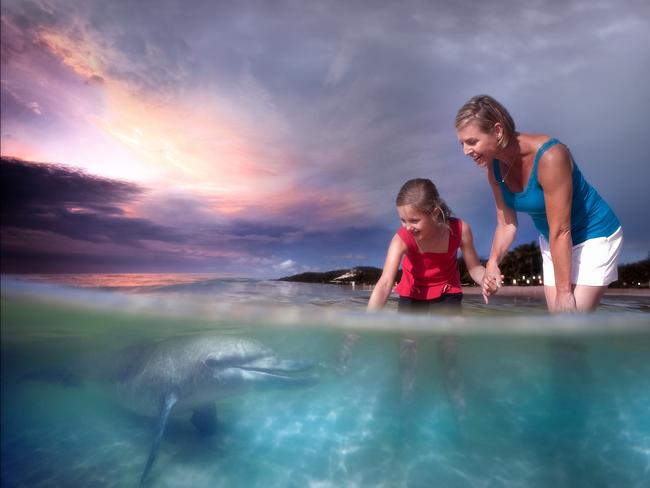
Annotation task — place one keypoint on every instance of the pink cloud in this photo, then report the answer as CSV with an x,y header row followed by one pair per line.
x,y
232,155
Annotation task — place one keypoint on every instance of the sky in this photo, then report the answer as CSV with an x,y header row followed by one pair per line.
x,y
266,138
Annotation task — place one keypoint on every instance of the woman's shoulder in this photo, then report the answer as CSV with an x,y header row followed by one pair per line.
x,y
553,162
553,153
543,148
536,142
530,143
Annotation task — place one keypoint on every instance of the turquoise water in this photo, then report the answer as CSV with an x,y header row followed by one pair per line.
x,y
498,397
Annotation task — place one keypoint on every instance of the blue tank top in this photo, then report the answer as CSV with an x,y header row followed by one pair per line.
x,y
590,215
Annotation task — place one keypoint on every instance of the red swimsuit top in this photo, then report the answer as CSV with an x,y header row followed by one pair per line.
x,y
429,275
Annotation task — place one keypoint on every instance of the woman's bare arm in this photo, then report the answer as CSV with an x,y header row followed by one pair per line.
x,y
505,231
555,177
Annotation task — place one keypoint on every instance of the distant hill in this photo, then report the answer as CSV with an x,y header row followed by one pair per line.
x,y
362,275
522,261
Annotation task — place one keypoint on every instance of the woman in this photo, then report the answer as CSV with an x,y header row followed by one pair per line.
x,y
580,236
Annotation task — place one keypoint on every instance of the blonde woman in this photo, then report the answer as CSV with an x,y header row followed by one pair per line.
x,y
581,237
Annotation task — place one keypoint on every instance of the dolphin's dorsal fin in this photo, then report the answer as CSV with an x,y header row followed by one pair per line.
x,y
166,407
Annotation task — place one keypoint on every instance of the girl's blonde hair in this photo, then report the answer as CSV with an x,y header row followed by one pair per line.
x,y
423,195
485,111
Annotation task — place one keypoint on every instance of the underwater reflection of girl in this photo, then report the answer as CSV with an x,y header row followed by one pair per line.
x,y
426,246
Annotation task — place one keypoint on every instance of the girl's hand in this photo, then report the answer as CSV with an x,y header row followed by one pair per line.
x,y
492,280
564,302
488,287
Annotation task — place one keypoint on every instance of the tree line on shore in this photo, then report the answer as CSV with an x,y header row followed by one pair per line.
x,y
522,266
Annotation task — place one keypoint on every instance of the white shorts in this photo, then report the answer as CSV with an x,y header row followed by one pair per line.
x,y
593,263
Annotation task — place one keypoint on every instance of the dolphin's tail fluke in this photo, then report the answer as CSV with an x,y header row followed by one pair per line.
x,y
168,404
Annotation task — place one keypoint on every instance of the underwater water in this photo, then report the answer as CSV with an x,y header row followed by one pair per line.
x,y
505,396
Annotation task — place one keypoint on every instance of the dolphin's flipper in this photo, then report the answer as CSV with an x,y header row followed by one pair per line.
x,y
204,418
165,409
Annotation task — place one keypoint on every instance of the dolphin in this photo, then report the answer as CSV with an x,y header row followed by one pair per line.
x,y
186,374
191,373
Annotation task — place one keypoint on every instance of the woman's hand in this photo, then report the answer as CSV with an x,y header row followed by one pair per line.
x,y
564,302
492,280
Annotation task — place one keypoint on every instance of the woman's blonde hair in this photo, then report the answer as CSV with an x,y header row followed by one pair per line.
x,y
485,111
423,195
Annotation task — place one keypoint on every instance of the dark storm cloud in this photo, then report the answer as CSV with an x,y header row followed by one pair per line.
x,y
346,246
254,235
58,219
62,261
57,199
241,231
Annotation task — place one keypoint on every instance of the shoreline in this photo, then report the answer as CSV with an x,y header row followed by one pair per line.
x,y
538,291
124,280
533,291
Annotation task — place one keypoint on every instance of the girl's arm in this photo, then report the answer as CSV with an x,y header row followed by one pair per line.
x,y
555,177
474,267
384,286
505,232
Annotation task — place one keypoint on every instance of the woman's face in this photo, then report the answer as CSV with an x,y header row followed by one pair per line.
x,y
481,146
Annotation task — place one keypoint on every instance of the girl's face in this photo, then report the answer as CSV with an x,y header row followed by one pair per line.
x,y
481,146
418,223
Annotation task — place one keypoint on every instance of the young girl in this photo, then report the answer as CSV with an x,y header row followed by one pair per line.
x,y
426,245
